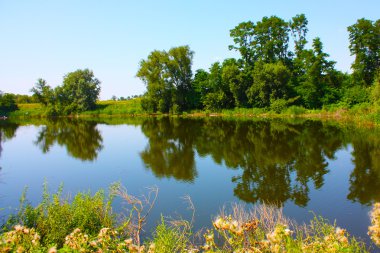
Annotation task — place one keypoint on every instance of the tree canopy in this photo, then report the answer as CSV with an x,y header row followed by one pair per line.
x,y
78,93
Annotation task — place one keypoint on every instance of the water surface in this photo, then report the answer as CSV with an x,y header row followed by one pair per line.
x,y
332,170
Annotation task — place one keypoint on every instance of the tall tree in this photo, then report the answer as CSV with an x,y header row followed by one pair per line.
x,y
298,28
159,91
364,38
267,40
167,76
179,64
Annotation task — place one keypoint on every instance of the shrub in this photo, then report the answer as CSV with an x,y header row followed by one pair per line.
x,y
56,217
295,110
278,105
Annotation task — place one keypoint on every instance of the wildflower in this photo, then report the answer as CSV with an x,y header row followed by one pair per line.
x,y
152,246
340,231
128,241
218,223
18,228
20,249
374,229
206,247
52,250
288,232
209,237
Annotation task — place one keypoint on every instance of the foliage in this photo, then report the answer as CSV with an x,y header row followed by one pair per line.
x,y
263,229
355,95
56,217
172,238
270,83
364,37
167,76
7,102
374,229
79,93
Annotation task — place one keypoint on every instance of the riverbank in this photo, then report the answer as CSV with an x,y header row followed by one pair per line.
x,y
87,223
362,114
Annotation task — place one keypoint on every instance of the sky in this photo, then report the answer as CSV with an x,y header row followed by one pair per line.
x,y
48,39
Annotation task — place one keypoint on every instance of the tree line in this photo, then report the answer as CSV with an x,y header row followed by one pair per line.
x,y
277,68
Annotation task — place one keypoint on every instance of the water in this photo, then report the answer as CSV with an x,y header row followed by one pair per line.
x,y
306,167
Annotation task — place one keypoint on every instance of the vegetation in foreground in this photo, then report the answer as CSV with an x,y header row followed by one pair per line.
x,y
88,224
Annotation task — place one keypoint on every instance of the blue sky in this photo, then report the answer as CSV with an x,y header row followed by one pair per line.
x,y
48,39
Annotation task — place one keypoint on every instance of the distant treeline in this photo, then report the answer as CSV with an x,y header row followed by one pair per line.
x,y
269,74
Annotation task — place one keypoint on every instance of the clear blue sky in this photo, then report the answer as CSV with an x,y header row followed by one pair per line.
x,y
48,39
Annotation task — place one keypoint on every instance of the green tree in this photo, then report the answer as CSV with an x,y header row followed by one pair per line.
x,y
180,75
317,79
267,40
233,78
270,82
159,91
243,36
200,86
42,92
7,102
219,95
167,76
298,28
79,91
364,38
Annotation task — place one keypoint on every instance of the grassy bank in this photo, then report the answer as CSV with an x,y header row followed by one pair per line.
x,y
362,113
87,223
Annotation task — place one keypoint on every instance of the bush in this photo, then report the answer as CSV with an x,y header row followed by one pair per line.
x,y
56,217
7,102
278,105
295,110
356,95
169,238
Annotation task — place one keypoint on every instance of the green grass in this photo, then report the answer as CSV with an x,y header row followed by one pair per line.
x,y
110,107
364,113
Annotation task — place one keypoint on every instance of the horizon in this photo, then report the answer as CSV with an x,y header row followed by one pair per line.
x,y
48,40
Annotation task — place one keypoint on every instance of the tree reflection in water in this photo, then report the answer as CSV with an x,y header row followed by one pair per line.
x,y
276,161
279,161
81,138
7,132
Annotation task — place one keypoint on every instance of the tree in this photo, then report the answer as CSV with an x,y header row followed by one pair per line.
x,y
364,38
167,76
79,91
200,86
42,92
7,102
318,78
243,36
270,82
179,71
233,79
298,28
267,41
